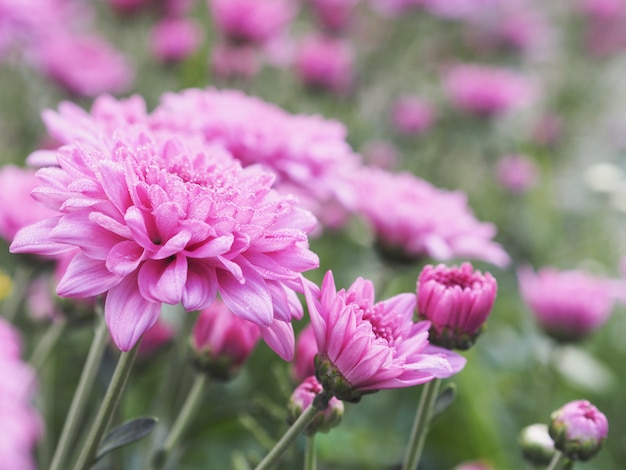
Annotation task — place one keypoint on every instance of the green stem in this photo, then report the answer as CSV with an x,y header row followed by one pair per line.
x,y
46,343
421,424
558,461
81,396
319,404
310,456
107,408
182,420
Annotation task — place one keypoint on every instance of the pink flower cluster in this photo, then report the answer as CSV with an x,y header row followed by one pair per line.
x,y
364,346
21,423
411,219
53,37
165,214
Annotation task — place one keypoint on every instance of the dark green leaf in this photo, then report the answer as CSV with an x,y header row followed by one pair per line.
x,y
445,399
127,433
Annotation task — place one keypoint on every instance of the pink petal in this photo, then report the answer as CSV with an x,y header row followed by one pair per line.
x,y
76,229
86,277
279,336
128,314
35,238
115,187
124,258
250,299
201,287
163,280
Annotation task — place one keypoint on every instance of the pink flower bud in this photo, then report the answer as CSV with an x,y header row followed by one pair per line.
x,y
579,429
536,444
412,116
306,349
222,341
303,397
457,302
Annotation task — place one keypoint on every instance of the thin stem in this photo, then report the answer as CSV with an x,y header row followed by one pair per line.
x,y
421,424
310,456
281,446
107,408
182,420
81,396
46,343
558,461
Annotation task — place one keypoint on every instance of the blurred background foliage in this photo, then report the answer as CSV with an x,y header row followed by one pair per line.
x,y
573,218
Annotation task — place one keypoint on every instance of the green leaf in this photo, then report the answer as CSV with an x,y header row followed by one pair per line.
x,y
445,399
126,433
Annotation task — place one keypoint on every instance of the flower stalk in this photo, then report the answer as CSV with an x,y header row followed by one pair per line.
x,y
558,462
81,396
310,456
319,404
182,420
421,424
107,408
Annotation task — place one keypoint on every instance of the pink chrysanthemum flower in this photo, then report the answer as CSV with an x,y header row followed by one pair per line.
x,y
568,305
579,430
487,91
366,346
412,115
309,154
174,39
326,62
457,301
17,207
334,15
21,423
251,21
85,65
516,173
158,219
222,341
413,219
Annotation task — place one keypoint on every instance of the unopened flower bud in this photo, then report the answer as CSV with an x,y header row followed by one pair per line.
x,y
221,341
303,397
457,301
537,445
579,429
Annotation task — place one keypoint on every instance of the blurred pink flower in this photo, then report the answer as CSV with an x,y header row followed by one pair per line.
x,y
303,396
394,8
128,6
251,21
306,349
459,9
326,62
568,305
579,430
235,61
84,65
222,341
160,217
457,301
155,338
412,115
175,39
413,219
21,423
381,153
603,9
516,173
486,90
333,15
366,346
17,207
309,154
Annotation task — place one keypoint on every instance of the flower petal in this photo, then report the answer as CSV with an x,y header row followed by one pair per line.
x,y
86,277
